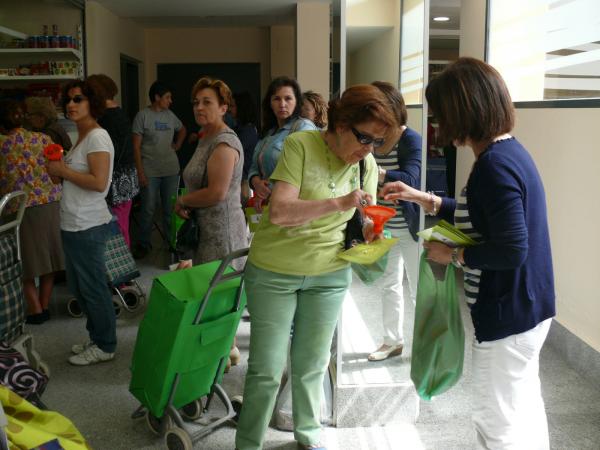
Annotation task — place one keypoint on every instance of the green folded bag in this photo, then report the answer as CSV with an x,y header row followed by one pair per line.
x,y
369,261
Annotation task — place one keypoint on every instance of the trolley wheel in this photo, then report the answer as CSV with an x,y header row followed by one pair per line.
x,y
132,299
117,306
177,439
73,308
43,367
155,424
192,411
236,402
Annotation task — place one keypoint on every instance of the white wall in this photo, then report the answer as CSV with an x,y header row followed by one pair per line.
x,y
109,36
313,47
214,45
283,51
564,145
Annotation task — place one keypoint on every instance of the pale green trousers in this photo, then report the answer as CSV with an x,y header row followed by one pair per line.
x,y
276,302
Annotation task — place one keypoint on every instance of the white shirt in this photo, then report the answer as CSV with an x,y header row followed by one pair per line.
x,y
81,209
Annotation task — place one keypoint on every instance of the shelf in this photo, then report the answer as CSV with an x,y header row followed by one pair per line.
x,y
20,51
39,77
13,33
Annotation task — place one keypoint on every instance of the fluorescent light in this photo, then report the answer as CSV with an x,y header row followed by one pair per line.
x,y
441,19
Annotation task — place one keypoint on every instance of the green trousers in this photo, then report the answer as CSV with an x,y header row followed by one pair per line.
x,y
276,302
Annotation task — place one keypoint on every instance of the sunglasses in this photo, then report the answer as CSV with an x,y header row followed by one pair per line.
x,y
365,139
76,99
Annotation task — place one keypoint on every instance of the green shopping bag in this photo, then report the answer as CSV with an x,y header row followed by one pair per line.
x,y
369,261
176,221
439,337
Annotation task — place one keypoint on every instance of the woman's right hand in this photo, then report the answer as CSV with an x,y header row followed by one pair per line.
x,y
261,187
182,211
398,190
142,180
355,199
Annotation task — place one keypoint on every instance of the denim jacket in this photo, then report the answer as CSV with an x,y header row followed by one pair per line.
x,y
268,149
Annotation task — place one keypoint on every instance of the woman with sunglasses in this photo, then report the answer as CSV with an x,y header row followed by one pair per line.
x,y
85,220
294,278
281,117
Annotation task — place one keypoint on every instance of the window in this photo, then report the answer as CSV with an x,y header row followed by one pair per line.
x,y
546,49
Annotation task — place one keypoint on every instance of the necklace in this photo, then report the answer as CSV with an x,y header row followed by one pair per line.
x,y
331,183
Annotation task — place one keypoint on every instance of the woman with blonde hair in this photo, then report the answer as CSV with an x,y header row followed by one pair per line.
x,y
42,117
314,108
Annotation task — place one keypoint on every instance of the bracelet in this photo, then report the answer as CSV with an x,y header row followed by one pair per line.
x,y
455,261
433,211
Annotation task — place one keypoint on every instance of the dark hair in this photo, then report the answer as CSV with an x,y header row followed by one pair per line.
x,y
269,118
246,109
158,88
471,101
106,83
320,106
358,104
396,100
219,87
91,91
9,114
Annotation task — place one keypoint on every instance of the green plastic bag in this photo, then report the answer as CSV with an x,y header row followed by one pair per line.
x,y
439,337
176,221
369,261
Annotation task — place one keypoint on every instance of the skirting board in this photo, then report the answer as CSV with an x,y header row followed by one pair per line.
x,y
580,356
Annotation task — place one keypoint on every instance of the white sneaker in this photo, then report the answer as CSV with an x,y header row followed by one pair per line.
x,y
386,351
79,348
91,355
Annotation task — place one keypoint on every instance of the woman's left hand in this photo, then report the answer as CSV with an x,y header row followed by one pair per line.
x,y
56,168
438,252
182,211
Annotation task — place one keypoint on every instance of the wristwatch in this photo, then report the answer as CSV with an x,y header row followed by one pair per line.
x,y
455,261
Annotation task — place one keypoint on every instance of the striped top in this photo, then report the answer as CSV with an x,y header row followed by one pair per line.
x,y
462,221
390,162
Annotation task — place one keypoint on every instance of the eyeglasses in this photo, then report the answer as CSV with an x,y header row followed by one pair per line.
x,y
76,99
365,139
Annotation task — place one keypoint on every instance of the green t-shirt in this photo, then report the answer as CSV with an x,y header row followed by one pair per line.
x,y
310,249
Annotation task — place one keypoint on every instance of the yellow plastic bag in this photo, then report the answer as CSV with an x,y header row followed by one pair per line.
x,y
30,427
368,253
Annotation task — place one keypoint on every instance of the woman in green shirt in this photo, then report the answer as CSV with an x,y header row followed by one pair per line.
x,y
294,278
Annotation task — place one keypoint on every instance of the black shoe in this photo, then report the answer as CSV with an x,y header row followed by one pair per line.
x,y
35,319
46,314
140,252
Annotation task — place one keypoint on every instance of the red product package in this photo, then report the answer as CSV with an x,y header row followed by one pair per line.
x,y
53,152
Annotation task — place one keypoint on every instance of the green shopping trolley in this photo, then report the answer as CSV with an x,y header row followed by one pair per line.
x,y
182,348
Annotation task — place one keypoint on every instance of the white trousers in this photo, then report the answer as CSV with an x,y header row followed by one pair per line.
x,y
405,254
508,409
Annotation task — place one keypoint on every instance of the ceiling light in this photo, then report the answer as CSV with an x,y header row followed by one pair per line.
x,y
441,19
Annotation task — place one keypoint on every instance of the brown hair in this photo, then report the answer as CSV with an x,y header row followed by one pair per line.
x,y
11,114
91,91
396,100
358,104
106,83
471,101
44,106
319,104
219,87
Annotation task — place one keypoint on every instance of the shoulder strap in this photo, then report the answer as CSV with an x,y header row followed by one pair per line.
x,y
362,168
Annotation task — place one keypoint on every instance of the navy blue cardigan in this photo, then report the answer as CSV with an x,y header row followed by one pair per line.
x,y
409,161
507,206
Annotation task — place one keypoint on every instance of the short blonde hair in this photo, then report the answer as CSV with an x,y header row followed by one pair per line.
x,y
219,87
43,106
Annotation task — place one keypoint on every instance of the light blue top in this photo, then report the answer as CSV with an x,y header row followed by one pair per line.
x,y
268,149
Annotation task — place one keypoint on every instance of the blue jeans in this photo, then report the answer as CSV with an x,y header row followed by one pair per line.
x,y
85,266
166,187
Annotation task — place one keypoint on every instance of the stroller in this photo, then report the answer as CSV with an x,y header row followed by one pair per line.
x,y
182,348
121,272
12,299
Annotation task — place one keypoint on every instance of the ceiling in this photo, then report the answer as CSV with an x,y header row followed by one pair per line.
x,y
199,13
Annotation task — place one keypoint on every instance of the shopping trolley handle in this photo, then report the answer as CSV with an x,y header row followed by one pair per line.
x,y
220,274
21,209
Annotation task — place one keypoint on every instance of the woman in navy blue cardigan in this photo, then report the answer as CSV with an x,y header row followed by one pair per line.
x,y
509,282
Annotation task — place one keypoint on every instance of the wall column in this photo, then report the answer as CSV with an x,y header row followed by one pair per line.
x,y
312,51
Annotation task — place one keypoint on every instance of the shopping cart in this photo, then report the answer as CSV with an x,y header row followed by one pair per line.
x,y
182,348
12,299
121,274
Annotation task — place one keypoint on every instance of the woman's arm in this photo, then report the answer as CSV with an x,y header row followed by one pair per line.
x,y
137,156
288,210
181,133
94,180
220,167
